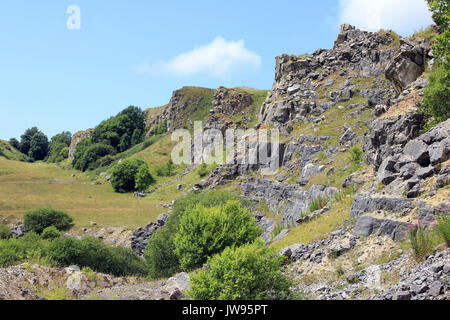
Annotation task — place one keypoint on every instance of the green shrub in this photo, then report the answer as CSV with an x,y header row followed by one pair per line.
x,y
50,233
160,251
443,226
59,147
143,178
14,251
105,161
14,143
5,232
206,231
95,254
122,131
39,219
123,177
251,272
436,102
88,159
65,251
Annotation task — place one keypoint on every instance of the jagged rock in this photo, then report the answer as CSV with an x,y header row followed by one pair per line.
x,y
376,96
351,180
406,67
388,136
177,285
293,96
310,171
230,102
366,226
201,185
267,227
386,171
418,151
18,231
436,288
421,282
348,136
439,152
409,170
425,172
76,139
140,237
340,249
363,203
420,159
403,295
288,200
140,194
75,280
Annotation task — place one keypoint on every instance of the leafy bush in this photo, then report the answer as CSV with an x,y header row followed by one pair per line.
x,y
160,251
105,161
436,102
206,231
117,134
14,143
39,219
441,16
95,254
88,159
123,130
50,233
5,232
62,252
444,228
143,178
59,147
251,272
123,178
13,251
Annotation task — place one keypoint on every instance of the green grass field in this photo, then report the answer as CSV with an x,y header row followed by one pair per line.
x,y
25,186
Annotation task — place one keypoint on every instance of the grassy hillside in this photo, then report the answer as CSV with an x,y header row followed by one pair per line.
x,y
11,153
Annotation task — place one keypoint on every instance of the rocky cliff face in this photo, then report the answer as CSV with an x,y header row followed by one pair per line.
x,y
76,139
300,81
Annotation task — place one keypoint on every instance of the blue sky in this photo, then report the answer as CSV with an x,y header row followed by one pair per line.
x,y
137,52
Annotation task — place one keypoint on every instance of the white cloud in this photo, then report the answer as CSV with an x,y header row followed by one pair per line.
x,y
402,16
219,59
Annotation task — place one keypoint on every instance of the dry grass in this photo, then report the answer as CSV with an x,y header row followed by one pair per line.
x,y
25,186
